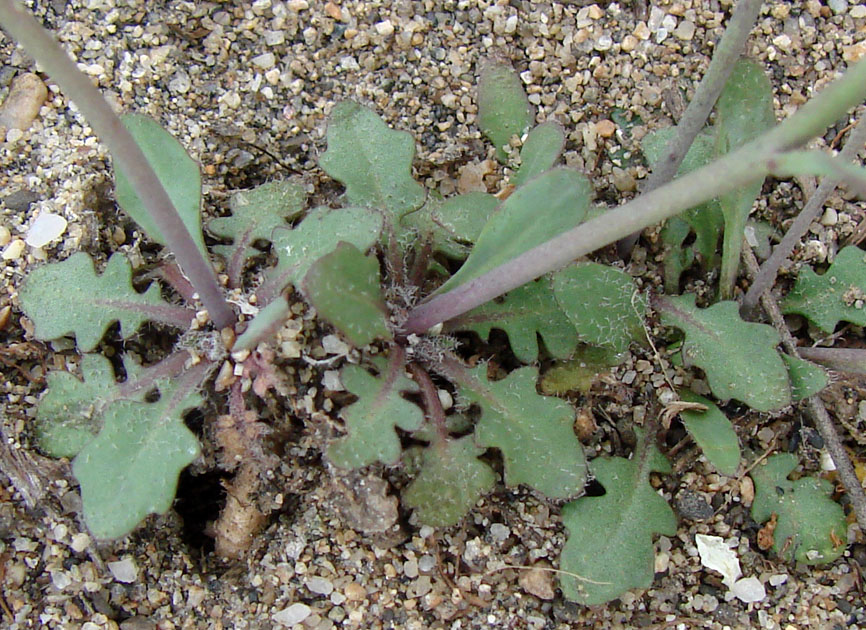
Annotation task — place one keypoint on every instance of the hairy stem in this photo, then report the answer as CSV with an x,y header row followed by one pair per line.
x,y
750,162
843,359
727,52
766,277
819,414
127,155
431,402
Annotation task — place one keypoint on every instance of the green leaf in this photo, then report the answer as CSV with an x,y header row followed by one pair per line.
x,y
610,542
713,432
542,149
739,358
811,528
344,287
807,379
534,213
453,225
744,112
131,468
371,421
534,433
319,234
68,416
70,298
451,481
503,109
256,214
523,314
580,371
177,172
372,161
602,303
837,295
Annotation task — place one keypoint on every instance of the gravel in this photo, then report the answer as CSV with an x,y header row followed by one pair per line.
x,y
247,87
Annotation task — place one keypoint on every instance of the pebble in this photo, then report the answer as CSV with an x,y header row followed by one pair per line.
x,y
354,592
13,250
320,586
23,102
838,6
854,52
830,217
265,61
605,128
858,11
385,28
46,228
410,569
294,614
693,506
124,570
537,582
499,532
685,30
5,236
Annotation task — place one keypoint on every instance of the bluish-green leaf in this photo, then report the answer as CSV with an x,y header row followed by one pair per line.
x,y
810,526
610,538
540,152
344,287
453,225
523,314
807,379
177,172
713,432
602,303
739,358
534,213
837,295
373,161
503,109
70,298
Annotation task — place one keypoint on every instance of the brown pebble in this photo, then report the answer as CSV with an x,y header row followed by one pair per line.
x,y
21,106
333,11
537,582
354,592
605,128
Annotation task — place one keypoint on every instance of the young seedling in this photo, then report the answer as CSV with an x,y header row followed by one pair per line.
x,y
381,271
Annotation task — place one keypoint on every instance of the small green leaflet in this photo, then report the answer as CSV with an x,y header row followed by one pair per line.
x,y
70,298
523,314
451,481
344,287
503,109
739,358
372,161
131,468
811,527
578,373
534,433
602,303
540,152
371,421
453,225
807,379
177,172
534,213
837,295
610,541
713,432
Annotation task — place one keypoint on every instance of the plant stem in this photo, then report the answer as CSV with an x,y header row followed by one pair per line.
x,y
431,403
819,414
747,164
727,52
766,277
851,360
127,155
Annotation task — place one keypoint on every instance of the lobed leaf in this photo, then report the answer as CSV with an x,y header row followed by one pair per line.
x,y
534,433
131,468
807,379
373,161
537,211
256,214
453,225
602,303
837,295
610,548
578,373
713,432
371,421
70,298
540,151
177,172
450,482
344,287
319,234
523,314
503,109
811,528
739,358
